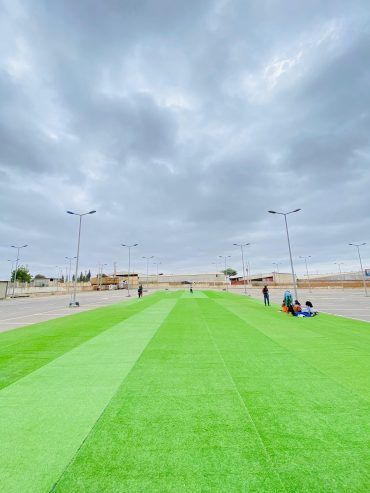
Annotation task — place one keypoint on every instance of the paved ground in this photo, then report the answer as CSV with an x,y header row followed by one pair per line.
x,y
25,311
351,303
18,312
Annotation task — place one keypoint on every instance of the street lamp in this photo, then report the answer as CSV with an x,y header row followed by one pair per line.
x,y
73,302
277,266
11,270
241,245
70,269
308,277
100,275
16,265
340,272
129,265
285,214
357,245
157,263
225,257
147,270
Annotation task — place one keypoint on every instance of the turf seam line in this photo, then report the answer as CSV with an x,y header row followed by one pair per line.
x,y
55,485
299,358
242,400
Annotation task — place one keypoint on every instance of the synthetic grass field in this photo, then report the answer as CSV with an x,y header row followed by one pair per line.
x,y
209,392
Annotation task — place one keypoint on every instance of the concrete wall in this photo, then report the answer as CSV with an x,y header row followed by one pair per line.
x,y
3,289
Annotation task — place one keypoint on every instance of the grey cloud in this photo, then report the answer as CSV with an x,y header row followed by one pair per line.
x,y
182,123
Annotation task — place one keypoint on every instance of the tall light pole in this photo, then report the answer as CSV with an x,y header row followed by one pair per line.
x,y
129,265
11,271
73,302
225,257
357,245
241,245
285,214
100,274
277,266
16,265
157,263
308,277
69,259
340,272
147,270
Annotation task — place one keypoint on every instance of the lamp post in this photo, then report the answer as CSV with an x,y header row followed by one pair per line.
x,y
129,265
73,301
285,214
308,277
157,263
147,270
340,272
100,275
357,245
241,245
69,259
16,265
277,266
225,257
11,271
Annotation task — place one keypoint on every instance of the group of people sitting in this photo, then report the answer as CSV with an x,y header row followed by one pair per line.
x,y
296,309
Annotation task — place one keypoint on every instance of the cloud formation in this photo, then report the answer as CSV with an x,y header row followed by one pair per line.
x,y
182,123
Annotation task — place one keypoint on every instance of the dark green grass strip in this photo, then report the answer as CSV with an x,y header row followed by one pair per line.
x,y
315,430
45,416
25,349
177,424
338,347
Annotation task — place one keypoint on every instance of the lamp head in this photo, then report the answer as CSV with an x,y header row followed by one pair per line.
x,y
70,212
272,212
92,212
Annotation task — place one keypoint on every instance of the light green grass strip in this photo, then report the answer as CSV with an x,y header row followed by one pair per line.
x,y
45,416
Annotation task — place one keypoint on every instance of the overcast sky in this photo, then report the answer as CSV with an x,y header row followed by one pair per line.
x,y
182,123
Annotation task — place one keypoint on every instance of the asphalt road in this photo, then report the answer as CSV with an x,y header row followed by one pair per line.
x,y
351,303
18,312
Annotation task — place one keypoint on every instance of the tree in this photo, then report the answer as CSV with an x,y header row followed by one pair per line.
x,y
39,276
23,274
88,277
229,272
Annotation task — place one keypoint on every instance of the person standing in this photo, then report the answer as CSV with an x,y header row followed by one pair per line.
x,y
266,296
140,291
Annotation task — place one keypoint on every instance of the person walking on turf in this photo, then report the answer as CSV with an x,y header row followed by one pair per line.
x,y
140,291
266,296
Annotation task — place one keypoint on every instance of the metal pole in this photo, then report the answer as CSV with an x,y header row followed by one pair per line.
x,y
245,286
362,270
291,260
77,260
128,272
16,270
340,273
308,277
11,272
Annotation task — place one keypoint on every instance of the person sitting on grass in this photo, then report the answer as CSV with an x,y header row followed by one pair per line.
x,y
297,306
307,310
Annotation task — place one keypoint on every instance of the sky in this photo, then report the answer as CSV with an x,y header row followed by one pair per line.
x,y
182,124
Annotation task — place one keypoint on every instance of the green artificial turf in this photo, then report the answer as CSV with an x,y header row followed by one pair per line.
x,y
182,392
